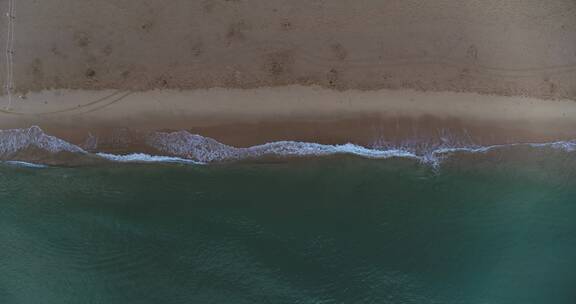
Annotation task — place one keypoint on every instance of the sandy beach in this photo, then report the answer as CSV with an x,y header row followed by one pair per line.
x,y
499,47
249,72
244,117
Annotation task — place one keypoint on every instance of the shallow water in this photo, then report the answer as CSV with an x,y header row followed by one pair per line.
x,y
32,147
496,227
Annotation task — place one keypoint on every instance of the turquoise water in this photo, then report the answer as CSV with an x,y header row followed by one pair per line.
x,y
485,228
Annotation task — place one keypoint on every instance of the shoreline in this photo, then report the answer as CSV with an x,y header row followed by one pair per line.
x,y
32,147
245,117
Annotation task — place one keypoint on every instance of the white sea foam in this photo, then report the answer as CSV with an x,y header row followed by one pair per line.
x,y
24,164
193,146
16,140
184,147
567,146
144,158
203,149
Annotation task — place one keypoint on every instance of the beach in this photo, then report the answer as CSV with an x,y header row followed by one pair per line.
x,y
251,72
245,117
506,48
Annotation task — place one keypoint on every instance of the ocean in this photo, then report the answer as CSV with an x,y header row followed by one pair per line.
x,y
479,225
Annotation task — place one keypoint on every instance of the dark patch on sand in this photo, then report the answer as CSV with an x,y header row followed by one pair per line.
x,y
286,25
147,27
90,73
279,63
236,32
82,39
333,78
339,51
37,70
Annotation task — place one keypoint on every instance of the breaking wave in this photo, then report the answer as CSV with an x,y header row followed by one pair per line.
x,y
206,150
15,141
33,148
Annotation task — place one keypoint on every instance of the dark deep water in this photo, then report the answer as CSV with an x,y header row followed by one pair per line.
x,y
481,229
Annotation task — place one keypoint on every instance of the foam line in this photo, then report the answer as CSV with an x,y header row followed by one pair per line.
x,y
144,158
183,147
24,164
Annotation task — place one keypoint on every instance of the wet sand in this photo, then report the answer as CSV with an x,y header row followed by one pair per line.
x,y
244,117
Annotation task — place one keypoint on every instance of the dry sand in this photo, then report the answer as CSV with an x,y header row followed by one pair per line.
x,y
512,47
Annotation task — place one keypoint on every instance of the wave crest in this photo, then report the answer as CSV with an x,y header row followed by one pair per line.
x,y
204,149
191,146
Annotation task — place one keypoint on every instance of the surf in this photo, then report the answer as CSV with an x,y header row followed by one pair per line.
x,y
34,147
